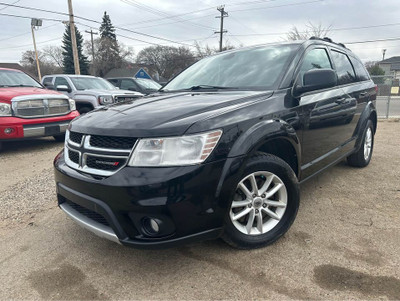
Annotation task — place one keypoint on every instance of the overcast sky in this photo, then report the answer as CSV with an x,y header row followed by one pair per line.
x,y
250,22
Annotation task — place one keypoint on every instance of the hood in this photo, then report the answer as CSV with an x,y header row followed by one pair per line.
x,y
162,115
7,94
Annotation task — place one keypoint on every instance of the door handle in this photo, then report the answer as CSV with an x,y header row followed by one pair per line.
x,y
362,94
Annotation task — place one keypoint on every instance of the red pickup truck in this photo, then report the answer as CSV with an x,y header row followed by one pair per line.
x,y
29,110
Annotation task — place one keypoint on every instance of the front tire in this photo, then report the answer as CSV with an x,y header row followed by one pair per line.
x,y
264,204
59,138
363,156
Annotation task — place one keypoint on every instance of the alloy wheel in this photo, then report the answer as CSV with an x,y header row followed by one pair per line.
x,y
367,143
259,203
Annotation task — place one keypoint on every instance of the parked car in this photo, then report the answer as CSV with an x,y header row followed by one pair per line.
x,y
89,92
142,85
222,151
28,110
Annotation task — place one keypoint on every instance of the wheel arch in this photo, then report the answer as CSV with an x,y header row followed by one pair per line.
x,y
268,136
369,113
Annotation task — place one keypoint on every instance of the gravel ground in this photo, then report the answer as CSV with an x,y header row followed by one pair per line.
x,y
344,243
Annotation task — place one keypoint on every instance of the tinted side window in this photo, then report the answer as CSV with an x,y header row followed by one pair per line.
x,y
113,81
361,72
315,59
61,81
47,80
128,84
344,68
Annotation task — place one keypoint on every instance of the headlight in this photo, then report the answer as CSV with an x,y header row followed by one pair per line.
x,y
5,109
106,99
177,151
72,105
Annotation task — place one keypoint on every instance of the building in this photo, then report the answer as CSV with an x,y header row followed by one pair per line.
x,y
391,66
137,71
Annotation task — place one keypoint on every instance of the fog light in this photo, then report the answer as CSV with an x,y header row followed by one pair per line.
x,y
151,225
8,131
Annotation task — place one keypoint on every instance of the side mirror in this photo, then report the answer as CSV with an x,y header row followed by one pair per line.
x,y
316,79
63,88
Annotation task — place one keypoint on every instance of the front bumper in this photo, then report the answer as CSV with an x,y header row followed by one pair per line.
x,y
183,199
37,127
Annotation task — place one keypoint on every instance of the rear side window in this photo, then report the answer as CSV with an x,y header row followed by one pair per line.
x,y
315,59
361,72
47,80
344,68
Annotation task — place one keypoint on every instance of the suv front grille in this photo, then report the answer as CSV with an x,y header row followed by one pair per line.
x,y
31,108
112,142
73,156
75,137
96,154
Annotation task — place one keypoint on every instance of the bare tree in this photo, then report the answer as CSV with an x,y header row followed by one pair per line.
x,y
204,51
167,61
311,30
54,54
47,66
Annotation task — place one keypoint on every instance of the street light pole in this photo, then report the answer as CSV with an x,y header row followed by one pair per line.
x,y
34,23
73,38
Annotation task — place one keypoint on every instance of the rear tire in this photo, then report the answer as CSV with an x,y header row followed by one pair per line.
x,y
264,205
362,157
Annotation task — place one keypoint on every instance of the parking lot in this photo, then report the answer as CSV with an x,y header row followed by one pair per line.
x,y
344,244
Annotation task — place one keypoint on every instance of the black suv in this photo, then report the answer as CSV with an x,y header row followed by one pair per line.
x,y
221,149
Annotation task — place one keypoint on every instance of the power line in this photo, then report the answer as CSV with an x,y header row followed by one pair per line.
x,y
91,20
276,6
6,6
161,13
26,17
22,34
372,41
20,46
332,29
169,17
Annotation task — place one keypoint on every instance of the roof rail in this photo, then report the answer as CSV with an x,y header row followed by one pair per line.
x,y
329,40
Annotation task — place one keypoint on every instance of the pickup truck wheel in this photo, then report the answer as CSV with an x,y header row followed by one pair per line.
x,y
362,157
59,138
264,205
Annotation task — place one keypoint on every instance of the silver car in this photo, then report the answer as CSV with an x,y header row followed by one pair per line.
x,y
88,91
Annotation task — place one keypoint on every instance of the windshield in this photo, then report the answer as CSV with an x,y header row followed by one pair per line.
x,y
10,78
86,83
147,84
256,68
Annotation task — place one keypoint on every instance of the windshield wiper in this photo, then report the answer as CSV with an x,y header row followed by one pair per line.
x,y
199,87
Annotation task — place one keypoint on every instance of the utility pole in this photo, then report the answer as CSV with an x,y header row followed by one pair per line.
x,y
383,54
36,23
93,58
73,38
221,31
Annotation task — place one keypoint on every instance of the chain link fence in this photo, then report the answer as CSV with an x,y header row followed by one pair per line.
x,y
388,98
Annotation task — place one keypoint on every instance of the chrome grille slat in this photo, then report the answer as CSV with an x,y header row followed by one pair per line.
x,y
36,106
